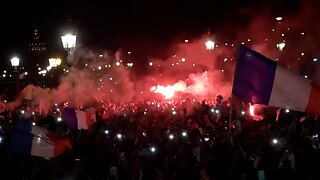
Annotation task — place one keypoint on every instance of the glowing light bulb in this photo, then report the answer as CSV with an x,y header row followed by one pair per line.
x,y
275,141
280,46
184,134
153,149
171,136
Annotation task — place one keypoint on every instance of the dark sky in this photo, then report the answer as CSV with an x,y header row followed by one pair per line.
x,y
115,23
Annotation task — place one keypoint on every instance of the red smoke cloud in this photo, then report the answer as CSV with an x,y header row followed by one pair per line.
x,y
202,73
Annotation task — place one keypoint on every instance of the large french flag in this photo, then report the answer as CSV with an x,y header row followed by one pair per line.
x,y
78,119
36,141
260,80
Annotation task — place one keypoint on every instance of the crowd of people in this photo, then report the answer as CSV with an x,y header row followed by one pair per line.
x,y
180,140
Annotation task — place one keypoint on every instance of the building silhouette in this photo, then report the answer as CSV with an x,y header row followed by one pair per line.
x,y
37,46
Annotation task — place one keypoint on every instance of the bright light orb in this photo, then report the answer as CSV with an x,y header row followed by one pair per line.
x,y
171,136
280,46
184,134
275,141
153,149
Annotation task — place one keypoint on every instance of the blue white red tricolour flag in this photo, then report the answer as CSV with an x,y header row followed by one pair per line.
x,y
37,141
78,119
260,80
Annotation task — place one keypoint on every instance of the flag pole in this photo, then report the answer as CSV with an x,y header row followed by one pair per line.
x,y
232,98
230,118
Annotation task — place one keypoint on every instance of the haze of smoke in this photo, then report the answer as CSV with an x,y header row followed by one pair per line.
x,y
82,86
299,31
193,64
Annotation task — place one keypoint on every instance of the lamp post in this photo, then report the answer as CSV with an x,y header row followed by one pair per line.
x,y
210,45
54,62
15,63
69,41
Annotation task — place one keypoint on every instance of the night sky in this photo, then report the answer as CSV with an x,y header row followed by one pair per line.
x,y
155,32
114,24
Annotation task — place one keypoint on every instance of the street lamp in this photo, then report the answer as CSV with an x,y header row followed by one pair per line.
x,y
210,45
54,62
69,42
15,63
